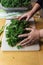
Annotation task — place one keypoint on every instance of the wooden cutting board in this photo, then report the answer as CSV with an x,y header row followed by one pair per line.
x,y
6,47
2,23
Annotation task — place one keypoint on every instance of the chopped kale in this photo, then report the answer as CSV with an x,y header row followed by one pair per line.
x,y
15,28
15,3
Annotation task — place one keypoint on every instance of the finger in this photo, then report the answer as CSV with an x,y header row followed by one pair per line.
x,y
32,42
32,26
18,17
28,42
27,18
21,17
23,35
28,29
25,40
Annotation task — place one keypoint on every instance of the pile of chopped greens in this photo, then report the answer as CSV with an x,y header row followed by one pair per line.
x,y
15,28
15,3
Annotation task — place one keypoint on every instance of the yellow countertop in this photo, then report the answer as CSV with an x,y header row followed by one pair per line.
x,y
22,58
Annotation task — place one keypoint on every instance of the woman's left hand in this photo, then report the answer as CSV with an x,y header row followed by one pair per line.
x,y
30,37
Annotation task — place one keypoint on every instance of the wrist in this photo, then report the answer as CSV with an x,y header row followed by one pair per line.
x,y
30,13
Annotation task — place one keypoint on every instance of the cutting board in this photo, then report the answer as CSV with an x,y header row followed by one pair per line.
x,y
6,47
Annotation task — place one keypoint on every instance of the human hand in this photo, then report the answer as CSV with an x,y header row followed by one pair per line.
x,y
30,37
26,15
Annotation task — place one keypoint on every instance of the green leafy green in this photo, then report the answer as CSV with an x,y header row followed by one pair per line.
x,y
19,47
15,3
15,28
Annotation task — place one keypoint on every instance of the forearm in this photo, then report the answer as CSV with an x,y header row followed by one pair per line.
x,y
41,33
35,9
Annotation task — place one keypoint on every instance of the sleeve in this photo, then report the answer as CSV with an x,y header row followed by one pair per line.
x,y
39,2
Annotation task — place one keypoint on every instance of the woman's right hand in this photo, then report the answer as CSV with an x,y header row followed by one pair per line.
x,y
26,15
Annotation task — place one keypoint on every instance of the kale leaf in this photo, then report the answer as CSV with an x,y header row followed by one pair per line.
x,y
15,28
15,3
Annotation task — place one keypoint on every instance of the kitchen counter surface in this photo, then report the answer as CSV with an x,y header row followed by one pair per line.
x,y
22,58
